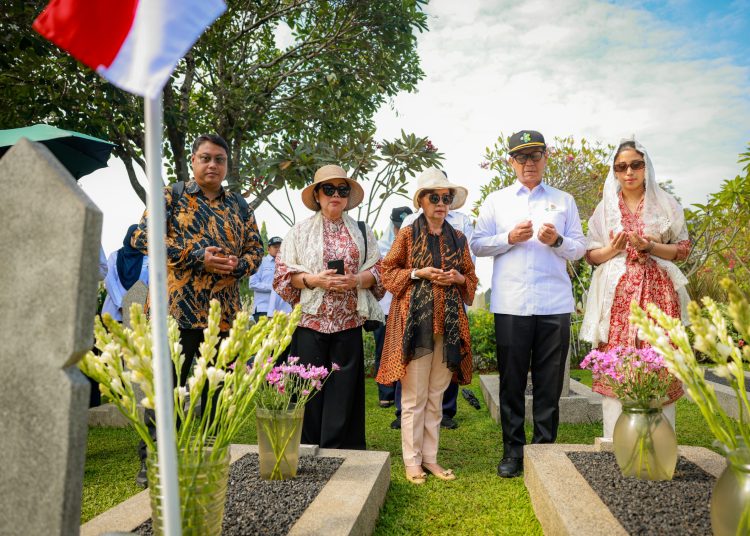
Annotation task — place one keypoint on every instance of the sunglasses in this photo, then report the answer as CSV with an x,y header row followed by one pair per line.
x,y
329,189
536,156
447,199
634,165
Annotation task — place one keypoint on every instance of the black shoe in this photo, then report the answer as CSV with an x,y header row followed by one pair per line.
x,y
470,398
448,423
510,467
396,424
142,477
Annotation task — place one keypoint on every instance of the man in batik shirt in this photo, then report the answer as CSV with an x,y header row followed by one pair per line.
x,y
212,243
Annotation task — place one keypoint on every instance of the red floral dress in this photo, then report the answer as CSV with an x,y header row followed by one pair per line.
x,y
644,282
338,311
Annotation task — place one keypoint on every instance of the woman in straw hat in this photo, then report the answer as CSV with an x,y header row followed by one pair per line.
x,y
331,268
431,275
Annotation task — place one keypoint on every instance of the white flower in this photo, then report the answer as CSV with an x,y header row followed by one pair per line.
x,y
215,376
146,403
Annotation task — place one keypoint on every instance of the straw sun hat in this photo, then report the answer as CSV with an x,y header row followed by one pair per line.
x,y
326,173
434,179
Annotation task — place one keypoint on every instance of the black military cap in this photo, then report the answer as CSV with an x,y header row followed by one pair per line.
x,y
274,241
524,139
399,214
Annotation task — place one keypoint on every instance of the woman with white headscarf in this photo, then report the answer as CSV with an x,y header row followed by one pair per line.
x,y
635,234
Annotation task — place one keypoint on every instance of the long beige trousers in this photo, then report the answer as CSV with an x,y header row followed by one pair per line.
x,y
422,389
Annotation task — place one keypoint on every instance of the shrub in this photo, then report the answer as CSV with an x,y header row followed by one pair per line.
x,y
482,328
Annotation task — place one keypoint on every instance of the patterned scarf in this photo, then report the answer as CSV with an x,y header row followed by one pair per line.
x,y
418,331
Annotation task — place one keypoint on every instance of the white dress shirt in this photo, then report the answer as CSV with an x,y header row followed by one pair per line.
x,y
276,303
261,283
529,278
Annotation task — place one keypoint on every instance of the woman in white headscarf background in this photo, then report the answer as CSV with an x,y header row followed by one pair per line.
x,y
636,233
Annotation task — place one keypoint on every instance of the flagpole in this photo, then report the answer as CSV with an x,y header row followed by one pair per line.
x,y
166,444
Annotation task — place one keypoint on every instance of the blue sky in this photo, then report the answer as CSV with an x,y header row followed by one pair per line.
x,y
718,28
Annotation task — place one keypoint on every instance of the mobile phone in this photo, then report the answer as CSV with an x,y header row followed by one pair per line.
x,y
337,265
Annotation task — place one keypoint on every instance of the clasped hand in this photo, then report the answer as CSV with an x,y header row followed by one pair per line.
x,y
524,231
217,262
330,280
619,241
440,277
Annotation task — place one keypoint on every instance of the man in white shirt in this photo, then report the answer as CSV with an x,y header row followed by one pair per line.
x,y
261,282
532,230
461,222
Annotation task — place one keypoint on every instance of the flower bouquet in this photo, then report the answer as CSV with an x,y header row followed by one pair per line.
x,y
644,443
730,502
280,408
125,375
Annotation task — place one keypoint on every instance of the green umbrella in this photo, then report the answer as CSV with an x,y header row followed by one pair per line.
x,y
79,153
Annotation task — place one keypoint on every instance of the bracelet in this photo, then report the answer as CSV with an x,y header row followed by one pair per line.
x,y
307,285
359,280
649,247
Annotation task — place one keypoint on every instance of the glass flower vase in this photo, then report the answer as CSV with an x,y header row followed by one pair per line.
x,y
203,489
730,500
644,442
279,435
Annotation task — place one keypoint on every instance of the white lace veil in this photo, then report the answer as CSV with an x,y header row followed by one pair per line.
x,y
662,214
663,217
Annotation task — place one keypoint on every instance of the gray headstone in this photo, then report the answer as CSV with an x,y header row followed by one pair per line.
x,y
50,232
135,294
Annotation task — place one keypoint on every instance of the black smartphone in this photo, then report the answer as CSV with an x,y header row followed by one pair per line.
x,y
337,265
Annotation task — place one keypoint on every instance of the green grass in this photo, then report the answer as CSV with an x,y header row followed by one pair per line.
x,y
477,502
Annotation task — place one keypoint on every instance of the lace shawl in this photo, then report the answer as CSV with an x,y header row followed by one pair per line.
x,y
302,251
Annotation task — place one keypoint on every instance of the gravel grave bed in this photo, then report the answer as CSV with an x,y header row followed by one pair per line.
x,y
710,376
270,508
679,506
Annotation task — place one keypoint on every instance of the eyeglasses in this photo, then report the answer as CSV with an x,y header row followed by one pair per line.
x,y
329,189
635,165
206,158
536,156
435,199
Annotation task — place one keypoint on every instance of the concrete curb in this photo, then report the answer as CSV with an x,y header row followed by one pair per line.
x,y
550,478
349,504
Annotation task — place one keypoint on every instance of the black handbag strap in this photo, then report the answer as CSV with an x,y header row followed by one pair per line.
x,y
363,229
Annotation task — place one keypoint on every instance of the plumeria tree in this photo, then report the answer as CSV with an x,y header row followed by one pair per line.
x,y
386,164
721,242
577,167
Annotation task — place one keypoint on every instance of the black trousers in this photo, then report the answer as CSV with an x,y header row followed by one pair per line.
x,y
538,342
334,417
191,340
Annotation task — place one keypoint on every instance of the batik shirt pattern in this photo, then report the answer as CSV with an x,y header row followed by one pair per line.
x,y
193,224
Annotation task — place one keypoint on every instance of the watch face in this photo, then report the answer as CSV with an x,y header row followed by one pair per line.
x,y
559,241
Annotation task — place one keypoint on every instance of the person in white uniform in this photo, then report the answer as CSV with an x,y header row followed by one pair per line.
x,y
261,282
531,230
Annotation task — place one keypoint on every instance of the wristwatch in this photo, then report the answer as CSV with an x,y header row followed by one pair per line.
x,y
414,274
557,243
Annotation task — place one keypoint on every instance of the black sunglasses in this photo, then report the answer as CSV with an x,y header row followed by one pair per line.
x,y
634,165
536,156
446,198
329,189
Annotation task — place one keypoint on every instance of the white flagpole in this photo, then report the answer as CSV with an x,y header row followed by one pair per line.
x,y
166,443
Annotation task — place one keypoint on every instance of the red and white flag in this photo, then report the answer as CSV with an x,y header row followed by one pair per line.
x,y
135,44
